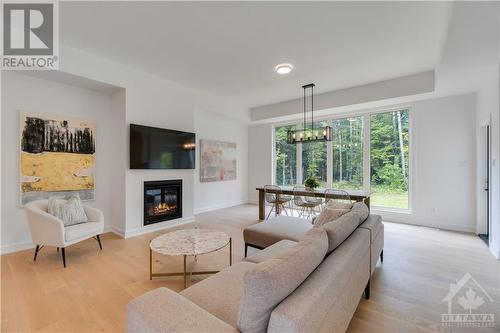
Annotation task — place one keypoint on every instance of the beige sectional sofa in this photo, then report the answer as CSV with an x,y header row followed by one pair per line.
x,y
304,280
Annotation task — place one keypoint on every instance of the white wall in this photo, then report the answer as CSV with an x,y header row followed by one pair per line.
x,y
260,159
60,99
443,165
443,175
495,243
487,103
216,195
119,157
415,84
470,63
155,101
151,101
145,99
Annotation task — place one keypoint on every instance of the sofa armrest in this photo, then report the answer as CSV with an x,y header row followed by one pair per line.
x,y
45,229
94,214
374,224
163,310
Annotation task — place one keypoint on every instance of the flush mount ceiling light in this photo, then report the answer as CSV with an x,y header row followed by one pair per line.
x,y
283,68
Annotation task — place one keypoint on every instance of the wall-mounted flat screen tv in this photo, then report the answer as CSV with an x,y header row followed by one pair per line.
x,y
159,148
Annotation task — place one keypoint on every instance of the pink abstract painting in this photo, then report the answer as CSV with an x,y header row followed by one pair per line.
x,y
217,161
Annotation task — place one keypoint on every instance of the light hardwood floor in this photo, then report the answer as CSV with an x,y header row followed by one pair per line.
x,y
91,293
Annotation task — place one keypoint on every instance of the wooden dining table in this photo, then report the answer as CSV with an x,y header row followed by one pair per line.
x,y
358,196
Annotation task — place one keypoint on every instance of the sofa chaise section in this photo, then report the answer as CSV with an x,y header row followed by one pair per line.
x,y
264,234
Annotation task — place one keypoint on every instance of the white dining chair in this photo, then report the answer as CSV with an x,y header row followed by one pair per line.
x,y
337,196
274,197
306,205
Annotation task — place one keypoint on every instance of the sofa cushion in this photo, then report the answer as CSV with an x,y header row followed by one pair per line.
x,y
271,281
275,229
374,224
362,209
82,231
271,252
338,204
222,293
332,211
338,230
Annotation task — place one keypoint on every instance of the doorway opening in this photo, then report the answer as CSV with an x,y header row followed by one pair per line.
x,y
486,236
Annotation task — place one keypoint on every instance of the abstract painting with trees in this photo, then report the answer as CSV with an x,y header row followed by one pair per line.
x,y
57,156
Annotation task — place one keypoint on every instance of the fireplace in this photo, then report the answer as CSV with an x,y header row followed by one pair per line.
x,y
162,201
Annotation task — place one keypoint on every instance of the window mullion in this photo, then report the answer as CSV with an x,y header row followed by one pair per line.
x,y
329,164
274,179
366,153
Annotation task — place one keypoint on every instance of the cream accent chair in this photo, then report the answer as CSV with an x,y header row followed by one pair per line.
x,y
47,229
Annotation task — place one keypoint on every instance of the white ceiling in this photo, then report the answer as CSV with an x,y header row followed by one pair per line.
x,y
230,48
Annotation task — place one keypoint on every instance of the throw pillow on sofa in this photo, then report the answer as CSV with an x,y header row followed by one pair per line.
x,y
271,281
70,211
332,211
338,230
362,209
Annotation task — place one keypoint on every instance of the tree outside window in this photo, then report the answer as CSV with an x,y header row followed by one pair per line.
x,y
285,157
347,145
389,149
389,157
314,158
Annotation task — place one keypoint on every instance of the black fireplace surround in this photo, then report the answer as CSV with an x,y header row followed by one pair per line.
x,y
162,200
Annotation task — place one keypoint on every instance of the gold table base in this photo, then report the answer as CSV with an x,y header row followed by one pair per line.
x,y
185,273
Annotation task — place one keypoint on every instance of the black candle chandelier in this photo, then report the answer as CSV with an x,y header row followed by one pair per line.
x,y
311,133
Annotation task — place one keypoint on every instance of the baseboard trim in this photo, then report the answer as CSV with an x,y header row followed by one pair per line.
x,y
157,227
107,229
454,228
21,246
253,202
219,206
28,244
496,253
409,220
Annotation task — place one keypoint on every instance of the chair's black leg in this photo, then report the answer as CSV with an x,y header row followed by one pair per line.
x,y
36,252
63,256
246,249
367,290
99,241
382,256
57,249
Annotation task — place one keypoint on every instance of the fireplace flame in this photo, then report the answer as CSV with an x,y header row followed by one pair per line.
x,y
162,208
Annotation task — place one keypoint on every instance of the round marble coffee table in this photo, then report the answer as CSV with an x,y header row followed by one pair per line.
x,y
188,242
